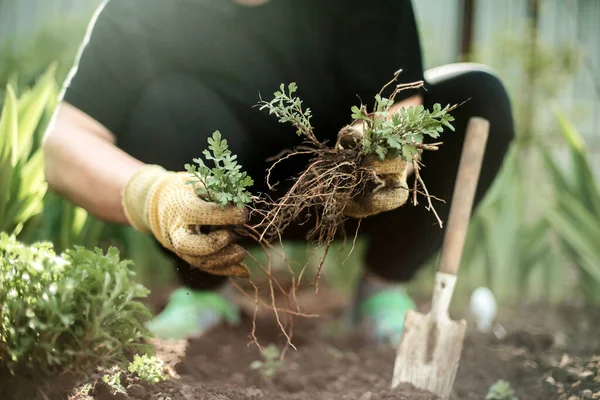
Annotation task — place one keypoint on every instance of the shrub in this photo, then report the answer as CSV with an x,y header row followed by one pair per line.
x,y
67,312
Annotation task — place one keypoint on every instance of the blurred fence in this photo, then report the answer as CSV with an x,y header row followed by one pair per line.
x,y
573,24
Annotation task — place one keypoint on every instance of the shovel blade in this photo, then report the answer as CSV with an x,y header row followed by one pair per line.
x,y
429,353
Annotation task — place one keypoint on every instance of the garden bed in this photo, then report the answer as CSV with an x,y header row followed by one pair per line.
x,y
546,354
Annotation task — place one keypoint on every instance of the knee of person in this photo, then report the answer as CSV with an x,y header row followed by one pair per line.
x,y
479,75
474,81
485,79
454,70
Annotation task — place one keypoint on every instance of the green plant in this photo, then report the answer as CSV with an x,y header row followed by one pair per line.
x,y
29,210
271,362
288,108
387,134
82,392
402,132
501,390
70,311
575,215
511,247
149,368
337,176
225,183
64,224
114,381
22,181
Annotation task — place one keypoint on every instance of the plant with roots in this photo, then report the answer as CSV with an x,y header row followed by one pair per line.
x,y
337,176
333,179
226,184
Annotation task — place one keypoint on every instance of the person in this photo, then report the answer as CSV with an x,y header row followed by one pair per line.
x,y
154,79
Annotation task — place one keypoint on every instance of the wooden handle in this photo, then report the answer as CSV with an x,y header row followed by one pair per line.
x,y
464,195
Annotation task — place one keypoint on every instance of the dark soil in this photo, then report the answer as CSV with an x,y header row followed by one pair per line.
x,y
331,364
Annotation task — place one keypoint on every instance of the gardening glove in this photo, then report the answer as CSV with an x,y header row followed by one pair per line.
x,y
387,190
161,202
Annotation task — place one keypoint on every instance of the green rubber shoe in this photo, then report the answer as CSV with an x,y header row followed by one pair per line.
x,y
382,314
191,313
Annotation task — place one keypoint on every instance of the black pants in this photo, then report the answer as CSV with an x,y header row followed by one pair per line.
x,y
400,241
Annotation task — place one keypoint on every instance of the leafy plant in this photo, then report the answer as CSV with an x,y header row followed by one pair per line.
x,y
149,368
511,247
114,381
400,133
82,392
289,109
501,390
70,311
575,215
225,183
22,181
386,134
271,362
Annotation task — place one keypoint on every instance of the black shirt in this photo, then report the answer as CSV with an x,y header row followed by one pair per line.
x,y
339,52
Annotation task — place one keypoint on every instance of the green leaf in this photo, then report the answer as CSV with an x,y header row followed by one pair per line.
x,y
585,183
27,199
224,184
408,152
569,132
568,225
8,146
31,109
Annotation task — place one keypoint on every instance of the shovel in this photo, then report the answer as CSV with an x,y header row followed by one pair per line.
x,y
431,344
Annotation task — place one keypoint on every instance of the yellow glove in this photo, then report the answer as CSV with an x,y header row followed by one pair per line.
x,y
390,190
160,202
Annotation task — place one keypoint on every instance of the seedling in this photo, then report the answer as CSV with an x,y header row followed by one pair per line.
x,y
114,381
225,183
271,364
149,368
501,390
82,393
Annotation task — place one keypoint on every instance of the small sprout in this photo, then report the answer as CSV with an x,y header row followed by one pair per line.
x,y
150,369
289,109
225,183
501,390
82,393
114,381
271,363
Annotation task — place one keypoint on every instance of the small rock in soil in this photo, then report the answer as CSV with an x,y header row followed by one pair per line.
x,y
577,378
137,391
366,396
103,391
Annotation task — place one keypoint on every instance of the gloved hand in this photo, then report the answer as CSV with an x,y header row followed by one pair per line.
x,y
160,202
389,188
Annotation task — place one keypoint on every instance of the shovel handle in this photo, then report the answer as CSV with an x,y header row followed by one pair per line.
x,y
464,195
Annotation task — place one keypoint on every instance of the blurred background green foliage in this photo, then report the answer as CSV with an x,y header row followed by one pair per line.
x,y
536,235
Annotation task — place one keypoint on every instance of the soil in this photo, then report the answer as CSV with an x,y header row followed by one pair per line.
x,y
544,354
